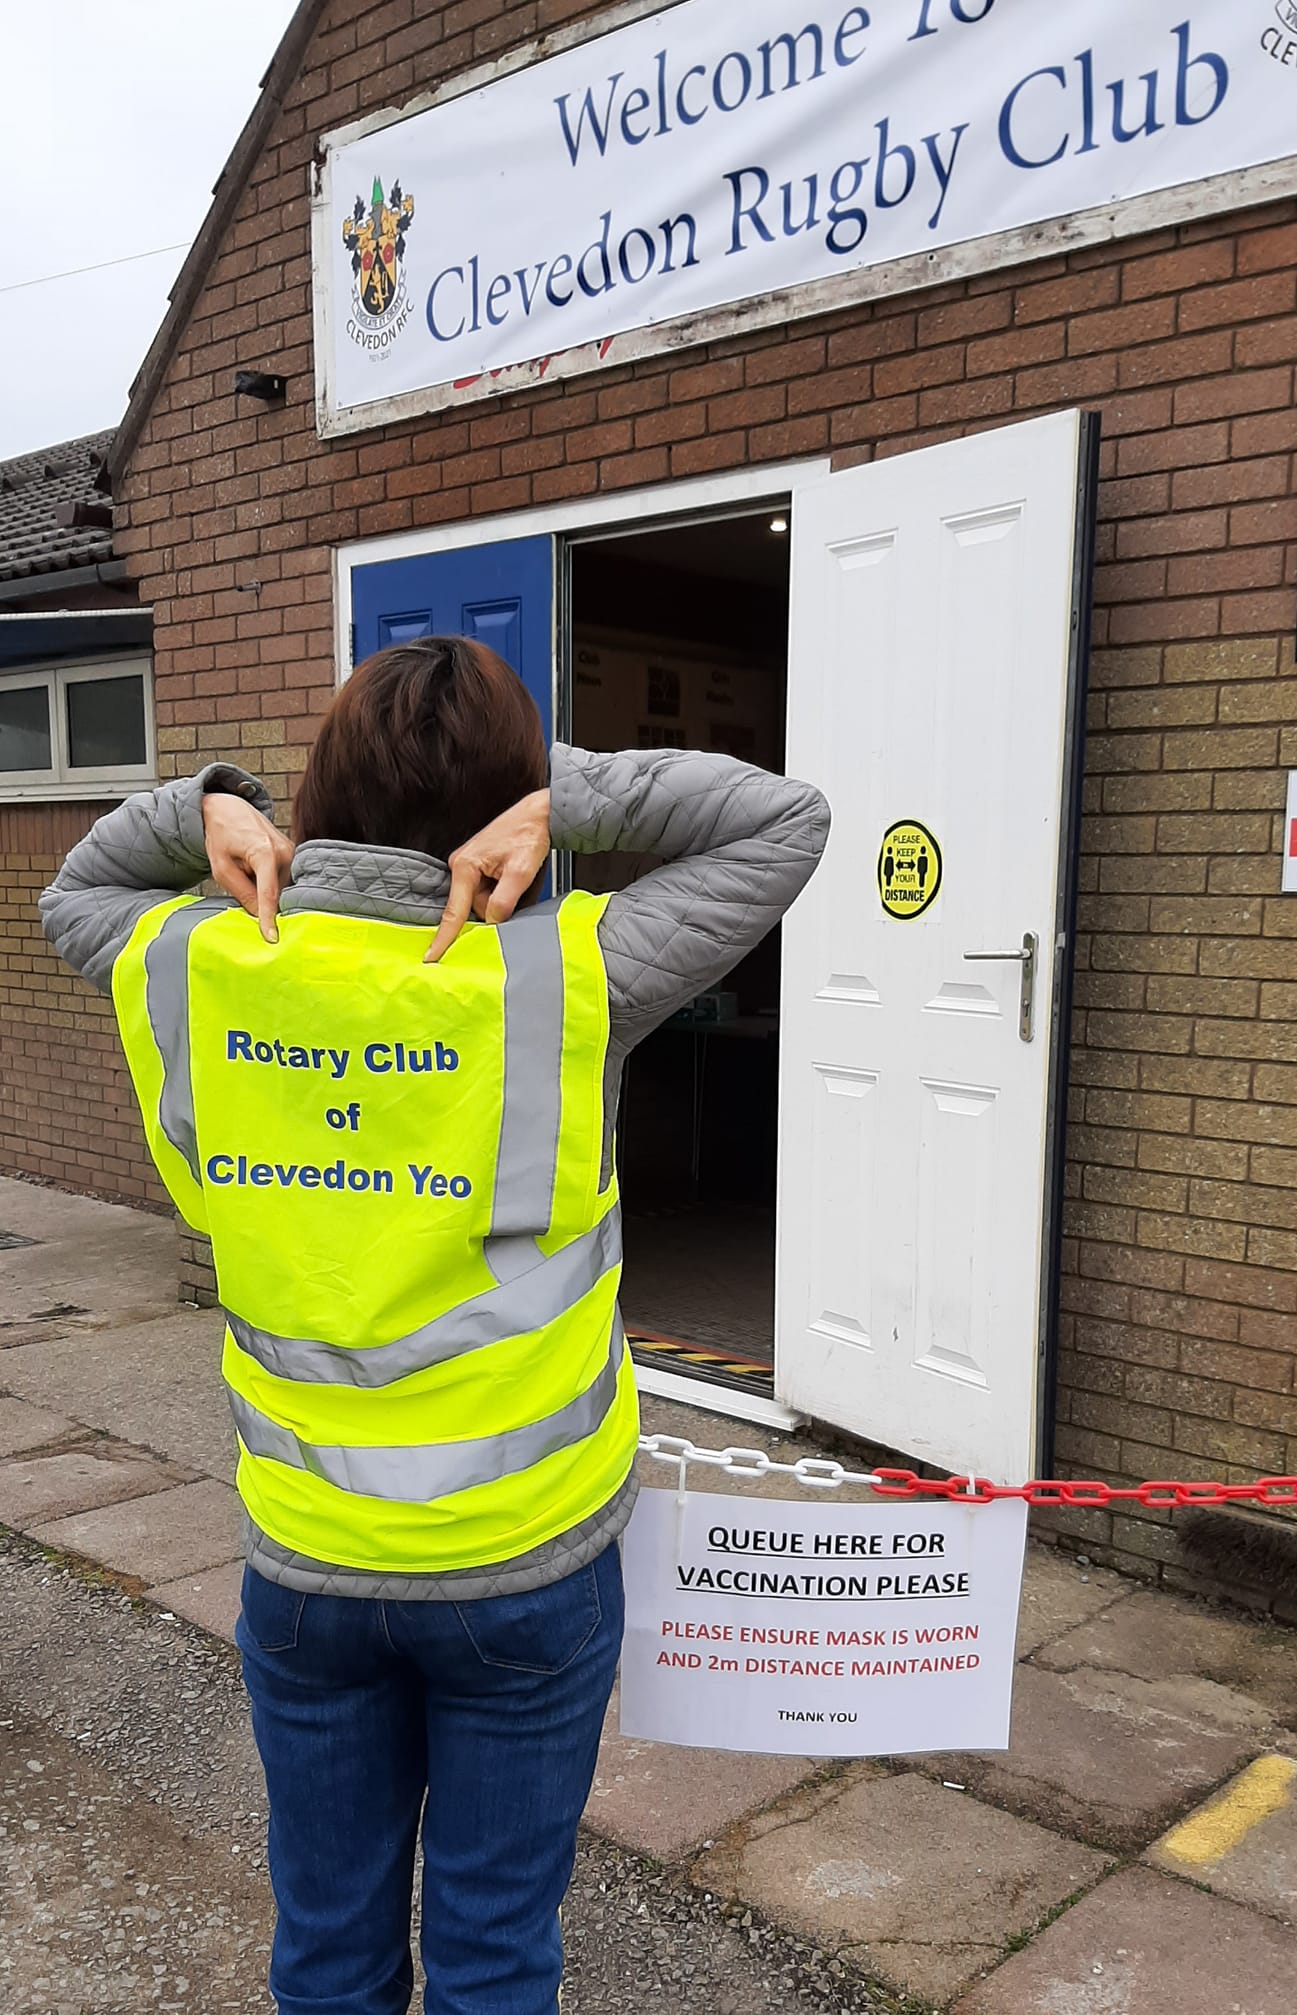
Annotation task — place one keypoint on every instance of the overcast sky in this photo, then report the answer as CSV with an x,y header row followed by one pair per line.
x,y
118,117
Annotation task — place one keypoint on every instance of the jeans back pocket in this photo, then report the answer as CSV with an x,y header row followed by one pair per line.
x,y
540,1631
271,1615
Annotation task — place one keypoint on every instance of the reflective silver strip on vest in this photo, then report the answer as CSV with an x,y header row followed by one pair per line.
x,y
554,1284
419,1474
533,1065
166,1000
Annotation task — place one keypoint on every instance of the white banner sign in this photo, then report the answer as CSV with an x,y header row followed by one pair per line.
x,y
710,154
820,1629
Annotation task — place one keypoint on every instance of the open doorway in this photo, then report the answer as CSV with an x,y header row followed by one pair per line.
x,y
679,640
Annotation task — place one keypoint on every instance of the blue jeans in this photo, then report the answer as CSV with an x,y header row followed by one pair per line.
x,y
483,1715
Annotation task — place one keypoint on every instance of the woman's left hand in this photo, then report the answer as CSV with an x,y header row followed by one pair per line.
x,y
491,873
249,857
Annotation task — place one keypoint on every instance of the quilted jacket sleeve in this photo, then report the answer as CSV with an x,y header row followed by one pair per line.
x,y
142,853
738,845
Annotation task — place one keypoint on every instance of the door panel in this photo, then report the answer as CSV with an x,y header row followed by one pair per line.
x,y
931,675
501,594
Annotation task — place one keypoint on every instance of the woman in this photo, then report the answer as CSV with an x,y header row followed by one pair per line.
x,y
403,1152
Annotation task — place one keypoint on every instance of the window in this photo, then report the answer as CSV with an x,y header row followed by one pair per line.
x,y
80,729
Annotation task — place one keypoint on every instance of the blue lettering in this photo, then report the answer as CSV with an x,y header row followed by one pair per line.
x,y
741,209
499,286
668,227
1008,144
447,1059
635,102
886,154
745,81
460,1186
854,22
789,44
444,335
623,258
590,112
600,246
261,1175
1184,64
686,117
220,1168
942,169
847,222
238,1046
378,1057
529,284
560,269
1151,123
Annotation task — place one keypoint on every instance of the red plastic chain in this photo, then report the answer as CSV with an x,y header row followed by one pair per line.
x,y
1169,1495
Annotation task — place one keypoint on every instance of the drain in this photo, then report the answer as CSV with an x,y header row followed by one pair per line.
x,y
11,1240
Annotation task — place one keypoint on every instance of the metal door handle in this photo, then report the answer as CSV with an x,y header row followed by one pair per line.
x,y
1026,958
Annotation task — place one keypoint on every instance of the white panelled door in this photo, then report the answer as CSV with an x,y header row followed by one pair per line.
x,y
930,686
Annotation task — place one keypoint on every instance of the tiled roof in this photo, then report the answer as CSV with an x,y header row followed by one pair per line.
x,y
31,487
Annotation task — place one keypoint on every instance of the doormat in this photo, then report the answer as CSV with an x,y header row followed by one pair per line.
x,y
700,1360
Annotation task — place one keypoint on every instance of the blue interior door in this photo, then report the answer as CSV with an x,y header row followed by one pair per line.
x,y
501,594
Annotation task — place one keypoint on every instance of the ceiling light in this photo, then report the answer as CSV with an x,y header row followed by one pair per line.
x,y
779,524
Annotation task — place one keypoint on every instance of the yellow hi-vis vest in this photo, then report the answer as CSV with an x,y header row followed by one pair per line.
x,y
398,1165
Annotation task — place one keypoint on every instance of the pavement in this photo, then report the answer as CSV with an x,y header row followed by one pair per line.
x,y
1134,1852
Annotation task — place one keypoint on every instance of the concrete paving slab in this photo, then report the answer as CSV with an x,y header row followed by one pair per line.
x,y
666,1802
1154,1635
1145,1945
1108,1757
1058,1593
156,1538
23,1426
210,1599
157,1384
34,1489
1243,1842
911,1884
101,1261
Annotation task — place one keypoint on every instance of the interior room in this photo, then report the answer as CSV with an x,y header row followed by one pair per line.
x,y
679,640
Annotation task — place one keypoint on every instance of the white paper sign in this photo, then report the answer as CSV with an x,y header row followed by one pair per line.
x,y
1289,882
820,1629
711,153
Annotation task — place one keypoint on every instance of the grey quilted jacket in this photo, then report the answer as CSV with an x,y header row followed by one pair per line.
x,y
737,845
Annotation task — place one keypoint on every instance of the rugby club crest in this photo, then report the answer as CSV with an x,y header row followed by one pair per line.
x,y
375,237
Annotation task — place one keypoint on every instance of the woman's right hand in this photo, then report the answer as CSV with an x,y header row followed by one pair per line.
x,y
249,857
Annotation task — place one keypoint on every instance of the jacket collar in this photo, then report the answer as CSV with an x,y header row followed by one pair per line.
x,y
388,883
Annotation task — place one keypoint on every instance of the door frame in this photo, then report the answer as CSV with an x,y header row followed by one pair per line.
x,y
620,511
582,519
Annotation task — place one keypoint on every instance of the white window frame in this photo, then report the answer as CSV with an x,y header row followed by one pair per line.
x,y
61,780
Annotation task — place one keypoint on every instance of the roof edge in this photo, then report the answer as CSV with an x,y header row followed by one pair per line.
x,y
226,195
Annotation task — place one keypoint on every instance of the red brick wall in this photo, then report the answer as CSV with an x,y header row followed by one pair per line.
x,y
66,1110
1180,1289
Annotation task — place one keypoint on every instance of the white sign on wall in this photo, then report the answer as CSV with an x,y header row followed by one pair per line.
x,y
1289,882
820,1630
598,202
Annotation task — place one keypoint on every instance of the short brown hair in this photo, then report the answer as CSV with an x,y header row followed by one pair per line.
x,y
426,743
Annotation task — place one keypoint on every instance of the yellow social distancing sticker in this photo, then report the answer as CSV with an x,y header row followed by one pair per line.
x,y
909,870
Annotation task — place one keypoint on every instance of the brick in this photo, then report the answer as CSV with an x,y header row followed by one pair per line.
x,y
1242,300
1169,272
1193,1235
1240,392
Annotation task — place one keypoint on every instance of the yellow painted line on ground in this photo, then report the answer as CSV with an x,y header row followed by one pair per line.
x,y
1214,1831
